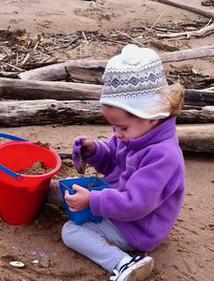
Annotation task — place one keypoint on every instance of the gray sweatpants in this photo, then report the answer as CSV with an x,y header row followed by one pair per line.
x,y
100,242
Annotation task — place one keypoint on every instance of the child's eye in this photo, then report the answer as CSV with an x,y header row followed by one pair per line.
x,y
115,128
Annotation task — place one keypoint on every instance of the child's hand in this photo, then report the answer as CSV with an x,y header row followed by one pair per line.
x,y
87,145
78,201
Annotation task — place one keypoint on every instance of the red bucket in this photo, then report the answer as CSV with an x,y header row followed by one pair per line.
x,y
21,199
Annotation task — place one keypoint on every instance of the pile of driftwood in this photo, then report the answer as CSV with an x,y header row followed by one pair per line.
x,y
37,97
44,96
19,51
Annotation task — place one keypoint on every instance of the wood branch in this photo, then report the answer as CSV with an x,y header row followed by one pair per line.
x,y
24,89
196,33
88,75
41,112
196,137
203,12
57,72
205,51
7,74
210,89
21,89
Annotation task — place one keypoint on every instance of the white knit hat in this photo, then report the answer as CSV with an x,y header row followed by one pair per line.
x,y
131,81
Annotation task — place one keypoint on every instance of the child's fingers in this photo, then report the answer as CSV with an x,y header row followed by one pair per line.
x,y
67,194
69,202
68,197
78,188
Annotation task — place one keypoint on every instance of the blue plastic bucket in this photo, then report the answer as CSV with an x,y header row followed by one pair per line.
x,y
91,183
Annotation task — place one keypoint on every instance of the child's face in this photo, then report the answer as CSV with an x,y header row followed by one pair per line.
x,y
125,125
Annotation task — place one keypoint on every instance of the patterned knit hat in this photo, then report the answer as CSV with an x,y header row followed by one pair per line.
x,y
131,81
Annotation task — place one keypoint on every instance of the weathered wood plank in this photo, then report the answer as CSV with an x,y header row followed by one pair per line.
x,y
196,137
40,112
21,89
30,90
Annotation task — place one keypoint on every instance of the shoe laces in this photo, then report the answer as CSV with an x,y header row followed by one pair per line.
x,y
115,276
117,273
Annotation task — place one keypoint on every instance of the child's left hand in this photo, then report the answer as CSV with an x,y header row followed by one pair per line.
x,y
78,201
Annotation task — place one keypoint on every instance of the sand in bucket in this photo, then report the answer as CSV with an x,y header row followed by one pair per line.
x,y
21,199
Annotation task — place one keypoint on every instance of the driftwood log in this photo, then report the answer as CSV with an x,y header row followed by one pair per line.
x,y
21,89
196,137
199,97
41,112
203,115
32,90
203,12
58,71
200,52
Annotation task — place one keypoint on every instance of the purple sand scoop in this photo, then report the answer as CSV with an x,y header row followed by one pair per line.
x,y
77,156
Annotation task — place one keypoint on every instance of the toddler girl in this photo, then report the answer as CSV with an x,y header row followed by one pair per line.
x,y
142,162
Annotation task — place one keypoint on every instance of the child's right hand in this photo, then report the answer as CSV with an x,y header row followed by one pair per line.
x,y
88,147
82,148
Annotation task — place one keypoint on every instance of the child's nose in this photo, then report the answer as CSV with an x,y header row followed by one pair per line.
x,y
118,133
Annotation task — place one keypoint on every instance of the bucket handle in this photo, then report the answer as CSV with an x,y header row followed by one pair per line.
x,y
10,172
2,167
11,137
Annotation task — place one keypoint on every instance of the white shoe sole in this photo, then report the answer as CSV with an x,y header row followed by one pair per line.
x,y
139,271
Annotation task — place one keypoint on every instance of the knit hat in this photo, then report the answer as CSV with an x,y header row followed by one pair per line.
x,y
131,82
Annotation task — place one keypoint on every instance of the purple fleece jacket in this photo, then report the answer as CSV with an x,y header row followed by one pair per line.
x,y
147,181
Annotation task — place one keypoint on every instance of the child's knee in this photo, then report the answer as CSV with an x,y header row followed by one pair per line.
x,y
54,194
69,229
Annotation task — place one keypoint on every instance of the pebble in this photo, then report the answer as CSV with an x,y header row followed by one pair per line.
x,y
17,264
44,262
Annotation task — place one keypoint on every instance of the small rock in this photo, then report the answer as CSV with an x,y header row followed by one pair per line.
x,y
17,264
35,262
44,262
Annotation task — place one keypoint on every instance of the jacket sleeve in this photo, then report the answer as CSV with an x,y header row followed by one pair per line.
x,y
104,160
157,178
